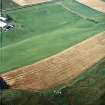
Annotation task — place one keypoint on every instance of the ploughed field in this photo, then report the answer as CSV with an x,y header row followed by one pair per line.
x,y
98,5
46,29
87,89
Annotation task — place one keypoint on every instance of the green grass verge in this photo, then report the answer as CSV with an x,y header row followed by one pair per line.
x,y
87,89
18,97
44,30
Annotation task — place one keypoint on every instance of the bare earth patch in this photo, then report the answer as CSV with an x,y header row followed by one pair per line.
x,y
98,5
29,2
59,68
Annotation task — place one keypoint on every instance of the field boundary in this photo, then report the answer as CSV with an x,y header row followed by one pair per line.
x,y
29,2
78,14
26,6
98,5
60,68
70,10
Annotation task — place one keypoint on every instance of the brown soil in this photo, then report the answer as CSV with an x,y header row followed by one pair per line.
x,y
98,5
59,68
29,2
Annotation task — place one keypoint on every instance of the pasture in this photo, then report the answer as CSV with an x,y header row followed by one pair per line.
x,y
44,30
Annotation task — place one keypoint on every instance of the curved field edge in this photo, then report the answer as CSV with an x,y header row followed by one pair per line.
x,y
29,2
59,68
88,88
27,44
98,5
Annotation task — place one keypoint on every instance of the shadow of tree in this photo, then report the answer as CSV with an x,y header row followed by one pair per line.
x,y
3,84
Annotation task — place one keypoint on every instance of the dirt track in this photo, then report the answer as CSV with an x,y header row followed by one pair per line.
x,y
28,2
59,68
98,5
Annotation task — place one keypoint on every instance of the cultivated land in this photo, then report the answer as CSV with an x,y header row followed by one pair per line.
x,y
29,2
99,5
47,30
60,68
87,89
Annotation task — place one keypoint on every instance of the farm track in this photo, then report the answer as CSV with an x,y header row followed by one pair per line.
x,y
59,68
70,10
98,5
78,14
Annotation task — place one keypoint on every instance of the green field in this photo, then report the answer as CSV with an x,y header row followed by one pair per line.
x,y
87,89
46,29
